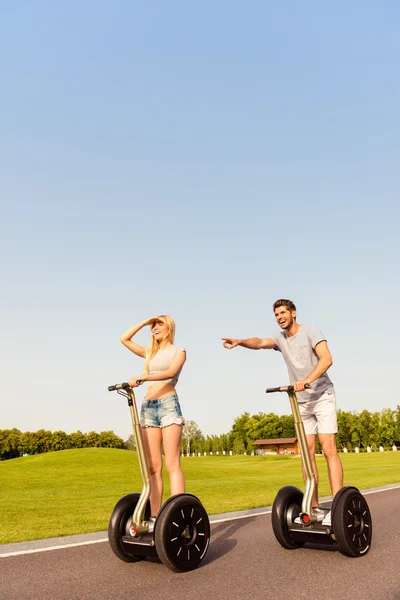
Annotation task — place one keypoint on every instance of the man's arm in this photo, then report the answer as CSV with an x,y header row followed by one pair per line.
x,y
324,362
250,343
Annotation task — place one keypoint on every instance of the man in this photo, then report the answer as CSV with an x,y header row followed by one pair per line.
x,y
308,358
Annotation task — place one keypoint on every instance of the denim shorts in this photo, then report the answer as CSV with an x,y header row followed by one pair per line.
x,y
161,413
319,416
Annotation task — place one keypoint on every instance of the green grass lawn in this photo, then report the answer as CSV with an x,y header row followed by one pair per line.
x,y
74,491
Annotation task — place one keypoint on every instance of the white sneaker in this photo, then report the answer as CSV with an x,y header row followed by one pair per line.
x,y
327,520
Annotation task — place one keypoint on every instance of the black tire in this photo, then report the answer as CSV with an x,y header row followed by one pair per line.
x,y
352,522
286,507
182,533
119,524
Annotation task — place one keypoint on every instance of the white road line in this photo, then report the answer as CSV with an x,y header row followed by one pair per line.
x,y
61,547
100,541
267,512
396,487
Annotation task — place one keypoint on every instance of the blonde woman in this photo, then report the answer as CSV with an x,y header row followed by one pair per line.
x,y
161,416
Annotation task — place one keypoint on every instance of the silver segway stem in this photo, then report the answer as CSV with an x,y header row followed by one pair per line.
x,y
308,472
305,457
139,512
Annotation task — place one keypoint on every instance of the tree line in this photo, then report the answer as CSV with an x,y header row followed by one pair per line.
x,y
14,443
360,430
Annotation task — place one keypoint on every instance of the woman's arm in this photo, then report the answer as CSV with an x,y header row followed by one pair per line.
x,y
176,366
126,338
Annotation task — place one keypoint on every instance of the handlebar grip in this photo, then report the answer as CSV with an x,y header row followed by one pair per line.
x,y
118,386
284,388
290,388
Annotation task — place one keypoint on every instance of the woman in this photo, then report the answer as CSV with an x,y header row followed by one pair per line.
x,y
161,416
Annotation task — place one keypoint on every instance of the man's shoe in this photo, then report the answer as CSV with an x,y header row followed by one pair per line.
x,y
327,520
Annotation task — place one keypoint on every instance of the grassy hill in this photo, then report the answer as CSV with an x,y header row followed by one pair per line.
x,y
74,491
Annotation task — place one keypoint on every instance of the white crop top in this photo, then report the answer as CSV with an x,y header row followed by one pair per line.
x,y
162,362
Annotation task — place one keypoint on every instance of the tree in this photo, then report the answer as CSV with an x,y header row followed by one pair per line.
x,y
130,443
108,439
364,428
190,431
345,428
287,426
198,444
92,439
254,428
388,426
375,435
60,441
216,443
239,430
226,442
238,446
42,441
27,443
271,428
397,428
9,443
77,439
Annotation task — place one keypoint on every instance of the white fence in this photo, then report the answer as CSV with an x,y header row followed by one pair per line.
x,y
231,453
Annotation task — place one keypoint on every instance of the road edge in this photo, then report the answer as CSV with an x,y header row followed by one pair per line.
x,y
84,539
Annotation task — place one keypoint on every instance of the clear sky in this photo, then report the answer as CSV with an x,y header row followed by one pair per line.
x,y
199,159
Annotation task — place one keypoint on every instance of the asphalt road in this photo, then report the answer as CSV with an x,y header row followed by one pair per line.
x,y
244,562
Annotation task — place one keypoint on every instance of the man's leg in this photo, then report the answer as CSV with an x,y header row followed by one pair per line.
x,y
327,427
335,470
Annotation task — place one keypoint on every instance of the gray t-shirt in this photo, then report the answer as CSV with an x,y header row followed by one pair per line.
x,y
300,357
162,362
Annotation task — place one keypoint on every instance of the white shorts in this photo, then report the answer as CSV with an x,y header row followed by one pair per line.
x,y
319,416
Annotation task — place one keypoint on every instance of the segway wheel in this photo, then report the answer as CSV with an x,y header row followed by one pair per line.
x,y
286,507
182,533
119,524
352,522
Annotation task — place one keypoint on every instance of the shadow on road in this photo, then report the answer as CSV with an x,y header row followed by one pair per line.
x,y
222,540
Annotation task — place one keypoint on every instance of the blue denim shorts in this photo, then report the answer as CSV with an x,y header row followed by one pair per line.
x,y
161,413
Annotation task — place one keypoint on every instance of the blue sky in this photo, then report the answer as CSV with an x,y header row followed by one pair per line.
x,y
200,160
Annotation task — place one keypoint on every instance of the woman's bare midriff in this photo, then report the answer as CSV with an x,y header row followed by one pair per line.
x,y
160,390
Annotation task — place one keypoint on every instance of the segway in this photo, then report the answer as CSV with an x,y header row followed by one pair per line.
x,y
179,536
295,523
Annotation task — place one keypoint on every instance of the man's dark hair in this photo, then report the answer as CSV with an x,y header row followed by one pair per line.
x,y
283,302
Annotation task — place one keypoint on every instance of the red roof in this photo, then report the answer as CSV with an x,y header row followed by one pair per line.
x,y
275,442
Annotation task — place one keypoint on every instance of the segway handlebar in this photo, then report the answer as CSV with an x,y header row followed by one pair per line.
x,y
122,386
283,388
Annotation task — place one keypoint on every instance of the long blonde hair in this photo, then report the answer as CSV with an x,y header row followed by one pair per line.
x,y
154,344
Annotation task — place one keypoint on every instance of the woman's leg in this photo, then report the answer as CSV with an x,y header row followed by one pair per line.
x,y
172,450
152,441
